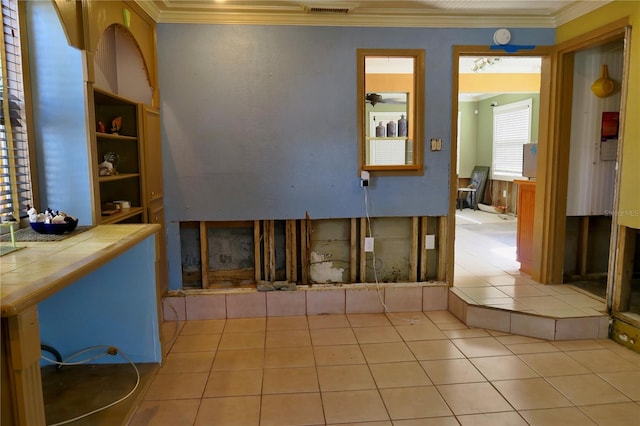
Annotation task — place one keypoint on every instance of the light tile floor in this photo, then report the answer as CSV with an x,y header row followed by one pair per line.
x,y
486,272
374,369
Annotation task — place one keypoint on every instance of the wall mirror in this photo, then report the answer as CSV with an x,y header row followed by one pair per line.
x,y
390,109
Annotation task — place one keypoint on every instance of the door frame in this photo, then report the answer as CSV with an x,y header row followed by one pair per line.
x,y
552,182
544,52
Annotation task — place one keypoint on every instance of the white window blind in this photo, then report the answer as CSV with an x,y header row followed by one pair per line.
x,y
511,130
15,174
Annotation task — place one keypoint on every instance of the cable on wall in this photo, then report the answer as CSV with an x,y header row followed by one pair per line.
x,y
414,319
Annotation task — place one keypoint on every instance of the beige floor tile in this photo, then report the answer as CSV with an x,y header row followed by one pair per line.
x,y
287,323
503,367
414,402
532,348
473,398
233,383
368,320
179,412
434,349
466,333
345,377
376,335
407,318
187,362
386,352
511,418
625,414
289,357
229,411
566,416
177,386
447,326
442,317
528,394
338,355
333,336
587,389
481,346
245,325
602,361
553,364
287,338
450,371
512,339
328,321
290,380
399,374
627,382
253,340
196,343
203,327
353,406
292,409
422,331
431,421
382,423
577,345
238,360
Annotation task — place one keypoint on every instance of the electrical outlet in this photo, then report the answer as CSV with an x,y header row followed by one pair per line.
x,y
429,242
368,244
504,193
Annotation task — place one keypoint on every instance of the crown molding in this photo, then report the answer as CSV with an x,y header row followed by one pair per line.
x,y
161,11
577,9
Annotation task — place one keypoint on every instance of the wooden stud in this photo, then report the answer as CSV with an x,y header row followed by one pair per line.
x,y
423,252
353,250
305,226
414,248
204,254
443,225
257,260
583,246
363,255
291,251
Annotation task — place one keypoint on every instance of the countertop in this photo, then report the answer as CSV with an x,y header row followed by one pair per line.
x,y
32,274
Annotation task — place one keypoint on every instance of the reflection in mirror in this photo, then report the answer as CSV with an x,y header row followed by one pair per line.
x,y
390,97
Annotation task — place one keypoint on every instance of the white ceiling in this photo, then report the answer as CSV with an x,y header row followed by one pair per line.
x,y
410,13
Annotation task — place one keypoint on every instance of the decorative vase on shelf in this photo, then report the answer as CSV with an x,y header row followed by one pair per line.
x,y
392,129
402,126
112,158
381,130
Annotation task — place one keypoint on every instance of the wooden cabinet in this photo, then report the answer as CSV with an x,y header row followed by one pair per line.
x,y
526,209
122,147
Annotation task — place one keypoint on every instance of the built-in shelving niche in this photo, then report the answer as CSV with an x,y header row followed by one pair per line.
x,y
241,253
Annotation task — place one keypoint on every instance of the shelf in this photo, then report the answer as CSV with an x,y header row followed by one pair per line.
x,y
399,138
121,176
114,136
122,214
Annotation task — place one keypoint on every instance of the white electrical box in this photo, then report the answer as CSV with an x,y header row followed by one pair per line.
x,y
368,244
429,242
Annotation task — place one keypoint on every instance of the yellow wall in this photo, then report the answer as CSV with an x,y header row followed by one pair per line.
x,y
499,83
629,209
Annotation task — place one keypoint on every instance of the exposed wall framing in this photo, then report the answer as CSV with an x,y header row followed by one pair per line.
x,y
306,251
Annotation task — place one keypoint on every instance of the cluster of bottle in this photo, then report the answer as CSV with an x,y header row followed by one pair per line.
x,y
392,129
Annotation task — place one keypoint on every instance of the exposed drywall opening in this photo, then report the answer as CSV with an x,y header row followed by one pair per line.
x,y
329,251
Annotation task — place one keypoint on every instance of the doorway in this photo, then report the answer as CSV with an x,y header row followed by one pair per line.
x,y
490,87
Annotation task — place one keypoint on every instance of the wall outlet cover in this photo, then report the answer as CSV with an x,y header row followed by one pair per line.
x,y
429,242
368,244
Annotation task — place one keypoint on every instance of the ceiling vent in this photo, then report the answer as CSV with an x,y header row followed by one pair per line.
x,y
329,8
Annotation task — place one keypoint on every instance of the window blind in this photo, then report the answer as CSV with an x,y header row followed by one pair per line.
x,y
15,174
511,130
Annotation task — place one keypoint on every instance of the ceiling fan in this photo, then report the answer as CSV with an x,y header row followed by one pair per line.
x,y
385,98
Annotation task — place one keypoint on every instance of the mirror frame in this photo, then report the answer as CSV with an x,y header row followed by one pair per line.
x,y
418,109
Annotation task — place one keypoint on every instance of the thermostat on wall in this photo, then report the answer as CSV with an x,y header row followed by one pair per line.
x,y
502,36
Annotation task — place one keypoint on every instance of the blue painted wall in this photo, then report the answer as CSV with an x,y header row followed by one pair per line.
x,y
95,310
259,122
